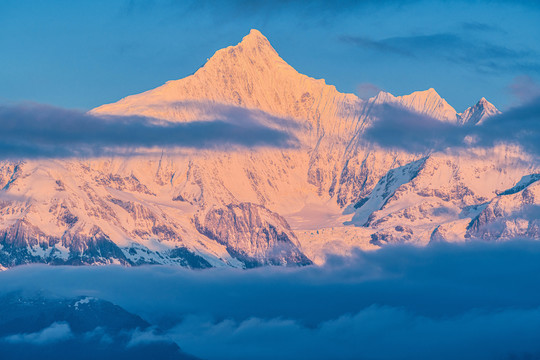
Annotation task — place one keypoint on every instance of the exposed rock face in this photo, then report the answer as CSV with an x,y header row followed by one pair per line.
x,y
436,200
24,243
399,234
511,215
253,233
384,191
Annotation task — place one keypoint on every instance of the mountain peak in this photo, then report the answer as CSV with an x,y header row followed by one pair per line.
x,y
483,103
254,46
478,113
431,92
383,97
254,42
487,105
250,74
429,102
254,34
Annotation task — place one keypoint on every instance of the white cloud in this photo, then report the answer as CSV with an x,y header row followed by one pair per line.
x,y
146,336
55,333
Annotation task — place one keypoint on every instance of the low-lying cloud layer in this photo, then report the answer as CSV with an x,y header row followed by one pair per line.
x,y
468,301
399,128
34,130
57,332
524,89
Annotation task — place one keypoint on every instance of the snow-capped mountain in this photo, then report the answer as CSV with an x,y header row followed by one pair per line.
x,y
476,114
427,102
253,207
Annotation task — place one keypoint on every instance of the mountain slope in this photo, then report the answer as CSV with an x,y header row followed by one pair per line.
x,y
249,207
252,75
476,114
33,327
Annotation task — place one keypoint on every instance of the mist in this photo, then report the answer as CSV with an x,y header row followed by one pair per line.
x,y
446,301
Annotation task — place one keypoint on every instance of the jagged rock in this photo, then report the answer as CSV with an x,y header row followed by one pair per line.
x,y
253,233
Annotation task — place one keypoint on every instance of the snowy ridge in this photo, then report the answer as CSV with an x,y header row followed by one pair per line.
x,y
512,214
384,190
477,114
430,103
427,102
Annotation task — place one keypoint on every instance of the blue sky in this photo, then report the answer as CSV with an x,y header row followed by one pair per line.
x,y
81,54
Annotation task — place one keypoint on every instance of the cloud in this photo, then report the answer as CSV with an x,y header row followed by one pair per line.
x,y
55,333
399,128
482,55
319,13
377,45
524,89
33,130
99,335
147,336
481,27
445,301
377,332
367,90
315,8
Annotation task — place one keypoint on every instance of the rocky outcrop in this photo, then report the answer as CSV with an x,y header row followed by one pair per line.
x,y
252,233
514,214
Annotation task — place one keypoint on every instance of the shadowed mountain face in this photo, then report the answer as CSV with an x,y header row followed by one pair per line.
x,y
254,234
81,328
244,207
